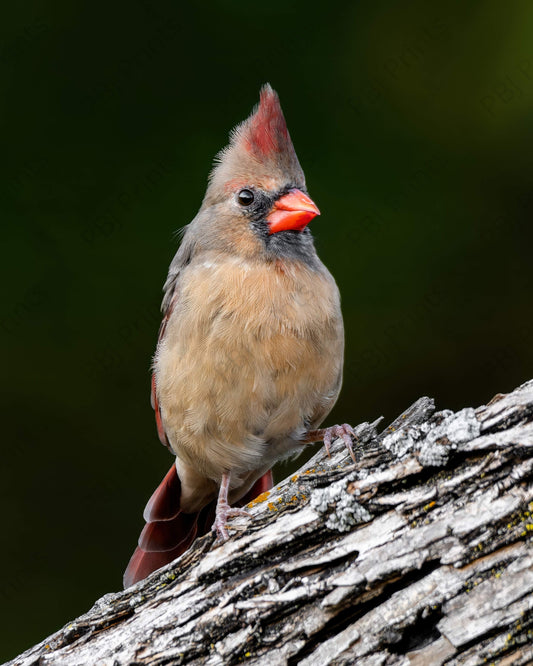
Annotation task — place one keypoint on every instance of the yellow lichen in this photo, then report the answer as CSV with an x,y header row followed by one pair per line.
x,y
260,498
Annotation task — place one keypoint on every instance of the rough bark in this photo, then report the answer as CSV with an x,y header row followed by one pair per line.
x,y
420,553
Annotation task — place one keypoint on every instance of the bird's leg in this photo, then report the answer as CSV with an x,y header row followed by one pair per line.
x,y
327,435
224,510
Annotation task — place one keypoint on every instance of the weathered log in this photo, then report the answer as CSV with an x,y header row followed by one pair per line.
x,y
421,553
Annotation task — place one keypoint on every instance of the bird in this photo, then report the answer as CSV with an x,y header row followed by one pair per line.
x,y
249,358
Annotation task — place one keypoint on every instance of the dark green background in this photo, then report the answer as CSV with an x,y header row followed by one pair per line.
x,y
413,123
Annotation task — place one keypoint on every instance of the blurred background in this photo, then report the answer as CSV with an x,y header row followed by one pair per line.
x,y
413,122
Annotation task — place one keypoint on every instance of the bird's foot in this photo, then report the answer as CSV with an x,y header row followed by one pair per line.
x,y
223,512
344,432
328,435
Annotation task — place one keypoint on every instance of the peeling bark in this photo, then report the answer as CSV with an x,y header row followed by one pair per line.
x,y
420,553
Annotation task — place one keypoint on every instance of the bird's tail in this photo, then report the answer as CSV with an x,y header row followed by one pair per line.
x,y
169,532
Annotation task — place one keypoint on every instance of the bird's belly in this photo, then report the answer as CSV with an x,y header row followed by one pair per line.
x,y
237,391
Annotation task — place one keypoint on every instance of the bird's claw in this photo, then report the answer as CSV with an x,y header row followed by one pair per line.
x,y
224,511
344,432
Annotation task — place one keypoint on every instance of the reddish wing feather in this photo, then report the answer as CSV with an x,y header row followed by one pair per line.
x,y
153,397
168,534
159,423
165,501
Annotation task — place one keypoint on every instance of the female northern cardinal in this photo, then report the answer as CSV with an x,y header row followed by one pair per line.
x,y
250,351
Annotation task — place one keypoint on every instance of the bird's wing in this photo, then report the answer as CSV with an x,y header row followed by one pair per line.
x,y
171,292
155,404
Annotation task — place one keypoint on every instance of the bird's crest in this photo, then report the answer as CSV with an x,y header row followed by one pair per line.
x,y
265,132
260,148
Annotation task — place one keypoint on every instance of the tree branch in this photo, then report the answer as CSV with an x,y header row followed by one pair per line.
x,y
420,553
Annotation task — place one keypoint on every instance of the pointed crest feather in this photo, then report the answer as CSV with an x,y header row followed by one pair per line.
x,y
265,132
260,149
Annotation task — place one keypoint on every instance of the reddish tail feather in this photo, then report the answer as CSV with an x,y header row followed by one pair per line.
x,y
169,532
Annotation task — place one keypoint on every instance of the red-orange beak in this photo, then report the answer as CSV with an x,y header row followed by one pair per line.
x,y
293,210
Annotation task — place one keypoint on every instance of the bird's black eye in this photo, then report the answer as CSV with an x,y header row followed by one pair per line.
x,y
245,197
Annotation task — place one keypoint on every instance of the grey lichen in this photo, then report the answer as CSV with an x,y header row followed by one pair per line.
x,y
339,504
402,442
445,436
433,454
434,439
